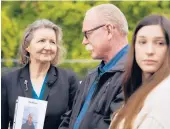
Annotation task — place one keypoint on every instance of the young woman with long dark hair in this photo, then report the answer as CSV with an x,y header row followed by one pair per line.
x,y
147,78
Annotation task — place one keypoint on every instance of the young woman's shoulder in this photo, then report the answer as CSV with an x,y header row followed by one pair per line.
x,y
160,93
151,123
155,112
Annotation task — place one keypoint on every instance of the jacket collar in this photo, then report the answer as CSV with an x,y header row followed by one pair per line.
x,y
119,66
26,85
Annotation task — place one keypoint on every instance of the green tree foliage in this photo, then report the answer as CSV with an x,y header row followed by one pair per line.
x,y
16,16
10,39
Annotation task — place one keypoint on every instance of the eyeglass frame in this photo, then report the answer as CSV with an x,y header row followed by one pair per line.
x,y
96,28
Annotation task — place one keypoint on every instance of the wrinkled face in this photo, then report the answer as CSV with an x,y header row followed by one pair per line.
x,y
150,48
43,46
97,40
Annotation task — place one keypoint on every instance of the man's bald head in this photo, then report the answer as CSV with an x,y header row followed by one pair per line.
x,y
108,13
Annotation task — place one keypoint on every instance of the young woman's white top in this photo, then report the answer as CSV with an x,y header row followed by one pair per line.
x,y
155,113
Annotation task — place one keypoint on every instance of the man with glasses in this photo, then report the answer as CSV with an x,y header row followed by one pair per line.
x,y
105,35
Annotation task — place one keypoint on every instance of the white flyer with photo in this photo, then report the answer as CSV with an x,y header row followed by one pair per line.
x,y
29,113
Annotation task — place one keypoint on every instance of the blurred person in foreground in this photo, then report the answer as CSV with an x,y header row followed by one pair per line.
x,y
147,78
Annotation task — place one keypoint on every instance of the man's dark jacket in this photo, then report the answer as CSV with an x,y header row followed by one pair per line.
x,y
107,98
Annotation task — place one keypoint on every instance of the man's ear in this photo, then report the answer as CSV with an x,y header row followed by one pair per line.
x,y
110,31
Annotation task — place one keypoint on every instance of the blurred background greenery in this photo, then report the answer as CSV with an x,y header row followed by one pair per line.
x,y
16,15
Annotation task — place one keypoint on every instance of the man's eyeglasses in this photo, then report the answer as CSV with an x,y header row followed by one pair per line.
x,y
88,31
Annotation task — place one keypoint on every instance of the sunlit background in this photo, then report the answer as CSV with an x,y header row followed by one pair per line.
x,y
69,15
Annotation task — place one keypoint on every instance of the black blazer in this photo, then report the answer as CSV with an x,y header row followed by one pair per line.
x,y
61,86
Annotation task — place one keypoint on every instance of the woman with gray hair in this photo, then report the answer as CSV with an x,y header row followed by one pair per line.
x,y
41,49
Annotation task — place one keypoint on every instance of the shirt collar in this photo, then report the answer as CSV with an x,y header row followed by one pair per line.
x,y
106,67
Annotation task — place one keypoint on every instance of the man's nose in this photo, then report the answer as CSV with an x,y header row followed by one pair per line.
x,y
85,41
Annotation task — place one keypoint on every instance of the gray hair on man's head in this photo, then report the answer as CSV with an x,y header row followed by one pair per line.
x,y
28,36
111,14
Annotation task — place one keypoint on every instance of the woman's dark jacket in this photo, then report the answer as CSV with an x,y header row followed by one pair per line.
x,y
61,86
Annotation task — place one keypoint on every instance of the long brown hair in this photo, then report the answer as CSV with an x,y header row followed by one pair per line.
x,y
134,90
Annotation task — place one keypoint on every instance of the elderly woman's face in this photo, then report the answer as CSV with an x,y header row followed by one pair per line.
x,y
150,48
43,46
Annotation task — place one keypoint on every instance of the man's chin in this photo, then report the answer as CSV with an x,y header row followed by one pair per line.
x,y
94,56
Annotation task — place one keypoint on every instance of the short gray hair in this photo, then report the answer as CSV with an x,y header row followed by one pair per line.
x,y
110,13
28,35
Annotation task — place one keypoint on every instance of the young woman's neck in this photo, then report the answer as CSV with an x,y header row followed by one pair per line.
x,y
146,76
38,69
